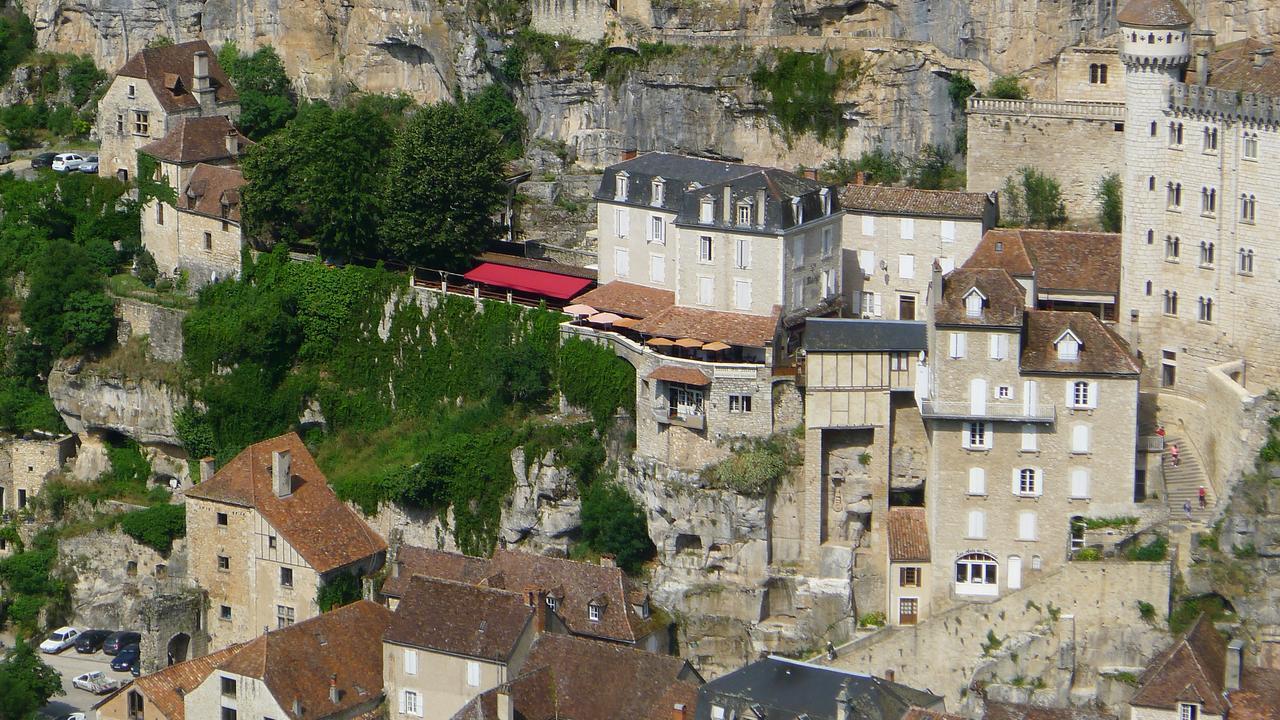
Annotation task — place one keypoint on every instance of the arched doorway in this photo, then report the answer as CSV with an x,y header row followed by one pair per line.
x,y
179,646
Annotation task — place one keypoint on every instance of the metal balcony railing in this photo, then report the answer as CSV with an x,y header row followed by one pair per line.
x,y
1010,411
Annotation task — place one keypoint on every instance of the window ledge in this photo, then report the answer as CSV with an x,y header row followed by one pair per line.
x,y
1169,315
1080,453
975,495
1208,214
1205,322
1205,266
1245,273
1250,159
1085,499
1172,260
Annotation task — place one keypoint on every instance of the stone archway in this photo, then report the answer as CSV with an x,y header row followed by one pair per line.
x,y
179,647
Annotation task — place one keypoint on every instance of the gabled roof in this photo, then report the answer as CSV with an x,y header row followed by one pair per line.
x,y
460,619
788,689
1102,351
1017,711
916,713
1002,307
1059,260
910,202
1191,670
1232,67
166,688
213,190
569,677
326,532
196,140
168,70
298,662
908,535
849,335
628,299
1259,695
1154,14
711,325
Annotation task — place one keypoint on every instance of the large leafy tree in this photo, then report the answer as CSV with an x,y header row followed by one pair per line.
x,y
66,310
265,101
26,684
443,186
613,522
318,178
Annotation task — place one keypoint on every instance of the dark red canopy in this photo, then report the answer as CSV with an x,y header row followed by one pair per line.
x,y
537,282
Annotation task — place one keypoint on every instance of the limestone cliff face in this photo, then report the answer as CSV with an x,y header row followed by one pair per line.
x,y
93,402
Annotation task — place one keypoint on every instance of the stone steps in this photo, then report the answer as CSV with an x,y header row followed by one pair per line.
x,y
1182,483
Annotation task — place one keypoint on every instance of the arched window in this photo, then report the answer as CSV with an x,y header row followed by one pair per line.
x,y
1102,74
1248,206
1153,128
1168,37
1246,261
1080,395
1151,236
1170,247
1148,288
1133,37
1093,74
1151,38
1206,253
1205,305
977,574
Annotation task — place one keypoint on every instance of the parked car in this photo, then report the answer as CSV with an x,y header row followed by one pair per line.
x,y
43,160
90,165
96,682
59,640
119,640
90,641
5,154
72,716
127,659
66,162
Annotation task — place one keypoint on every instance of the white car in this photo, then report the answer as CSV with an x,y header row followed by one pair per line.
x,y
59,640
66,162
95,682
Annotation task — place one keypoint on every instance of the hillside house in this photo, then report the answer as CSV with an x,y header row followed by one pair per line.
x,y
1060,270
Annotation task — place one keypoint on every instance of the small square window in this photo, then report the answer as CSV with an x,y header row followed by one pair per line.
x,y
271,542
909,577
286,577
224,612
224,562
229,686
208,241
222,519
594,612
739,403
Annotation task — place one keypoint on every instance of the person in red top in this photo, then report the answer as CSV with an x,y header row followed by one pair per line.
x,y
1173,453
1204,498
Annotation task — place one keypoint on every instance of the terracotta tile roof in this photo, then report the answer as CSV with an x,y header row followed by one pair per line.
x,y
1258,697
1154,14
213,190
574,584
166,688
711,325
1231,67
628,299
299,661
675,373
197,139
564,677
910,201
1014,711
1004,298
169,71
918,713
908,535
460,619
323,529
1060,260
1001,248
1102,351
1191,670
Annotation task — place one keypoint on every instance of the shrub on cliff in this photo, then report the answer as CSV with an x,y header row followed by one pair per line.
x,y
613,522
1007,87
259,78
156,527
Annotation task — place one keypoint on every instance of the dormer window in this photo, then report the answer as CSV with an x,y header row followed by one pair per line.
x,y
656,192
1068,346
744,213
1188,711
595,610
133,91
825,194
973,302
706,211
797,210
553,602
620,186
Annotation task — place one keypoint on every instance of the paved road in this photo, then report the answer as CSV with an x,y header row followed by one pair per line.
x,y
71,663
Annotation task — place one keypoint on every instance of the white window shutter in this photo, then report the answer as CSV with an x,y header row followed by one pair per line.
x,y
1029,438
954,350
410,661
705,290
657,268
908,227
1029,399
742,294
621,262
624,223
1016,487
403,695
1039,481
977,524
868,225
1026,525
960,344
977,481
978,396
879,308
948,230
1004,346
907,266
867,260
947,264
1080,439
1093,395
1079,483
1070,394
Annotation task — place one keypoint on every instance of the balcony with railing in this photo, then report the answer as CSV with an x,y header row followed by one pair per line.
x,y
680,415
1040,413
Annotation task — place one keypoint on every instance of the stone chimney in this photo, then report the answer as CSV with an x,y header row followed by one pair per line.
x,y
1234,665
889,675
628,154
842,702
202,84
1261,55
760,207
233,142
297,707
333,688
608,560
1202,67
678,712
505,709
281,476
811,173
208,466
537,599
860,177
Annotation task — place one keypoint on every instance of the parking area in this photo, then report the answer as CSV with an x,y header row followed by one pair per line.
x,y
71,663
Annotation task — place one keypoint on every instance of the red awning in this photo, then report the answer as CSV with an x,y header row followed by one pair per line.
x,y
537,282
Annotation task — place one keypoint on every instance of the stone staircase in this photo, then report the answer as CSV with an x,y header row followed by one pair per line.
x,y
1182,483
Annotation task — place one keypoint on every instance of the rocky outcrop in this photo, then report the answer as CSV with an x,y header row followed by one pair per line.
x,y
91,401
114,575
543,513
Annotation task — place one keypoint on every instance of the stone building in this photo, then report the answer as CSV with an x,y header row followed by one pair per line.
x,y
891,237
150,92
909,577
265,533
590,20
159,695
1059,270
1076,137
32,461
712,268
199,232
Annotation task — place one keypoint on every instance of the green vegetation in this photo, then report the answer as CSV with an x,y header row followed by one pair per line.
x,y
932,170
1087,555
17,39
1186,612
1033,199
1123,676
612,65
1154,551
871,619
26,684
30,584
1146,611
156,527
341,589
802,89
959,88
1244,552
266,103
1111,203
53,79
554,53
1122,522
596,380
756,467
1007,87
613,522
992,644
879,167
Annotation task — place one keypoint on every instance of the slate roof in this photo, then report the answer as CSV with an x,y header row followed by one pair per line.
x,y
168,70
166,688
1004,303
213,190
1258,697
916,713
1191,670
297,662
1102,351
787,689
1058,259
574,584
565,677
848,335
628,299
460,619
711,325
908,535
1231,68
1154,14
911,202
320,527
1014,711
197,139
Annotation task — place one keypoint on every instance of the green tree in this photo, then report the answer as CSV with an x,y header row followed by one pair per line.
x,y
802,88
495,109
87,321
66,310
156,527
879,167
1007,87
341,589
1111,203
959,88
1034,199
612,522
26,684
265,101
932,170
17,39
84,79
443,186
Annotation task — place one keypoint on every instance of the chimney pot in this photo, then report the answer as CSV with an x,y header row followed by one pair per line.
x,y
678,711
333,688
1234,665
629,154
207,467
233,142
811,173
860,178
608,560
281,473
889,675
505,710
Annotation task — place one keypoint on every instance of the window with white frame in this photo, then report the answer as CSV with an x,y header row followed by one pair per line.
x,y
957,345
657,189
1206,253
976,436
657,268
973,302
141,122
797,210
1068,346
977,481
473,673
999,346
1004,392
742,294
1248,207
1027,525
739,403
1188,711
907,228
868,225
410,661
706,211
410,703
744,214
621,262
1030,438
657,230
1246,261
704,249
705,290
1080,439
977,527
621,222
594,611
899,361
620,186
976,574
1080,483
1026,482
825,195
1251,146
906,266
741,253
871,306
947,230
1205,309
1082,394
828,244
